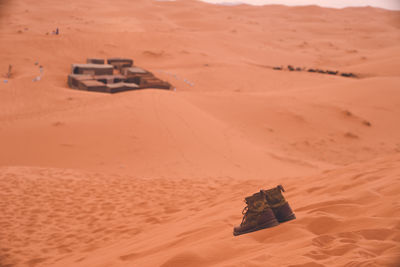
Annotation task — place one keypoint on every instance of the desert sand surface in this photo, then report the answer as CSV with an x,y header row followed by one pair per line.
x,y
157,178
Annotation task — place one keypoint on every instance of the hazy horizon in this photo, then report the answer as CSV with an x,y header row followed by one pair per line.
x,y
387,4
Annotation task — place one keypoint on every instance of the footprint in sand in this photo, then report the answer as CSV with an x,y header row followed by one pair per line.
x,y
186,258
129,257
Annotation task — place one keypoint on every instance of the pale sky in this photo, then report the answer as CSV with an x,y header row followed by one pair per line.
x,y
388,4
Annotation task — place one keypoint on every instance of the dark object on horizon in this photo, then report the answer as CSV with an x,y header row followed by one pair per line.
x,y
348,74
331,72
57,31
279,205
257,215
290,67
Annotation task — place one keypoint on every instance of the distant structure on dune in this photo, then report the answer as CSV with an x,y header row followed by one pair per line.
x,y
118,75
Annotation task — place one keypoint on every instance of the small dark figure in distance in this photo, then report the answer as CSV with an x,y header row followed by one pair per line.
x,y
9,72
321,71
290,67
57,31
331,72
312,70
348,74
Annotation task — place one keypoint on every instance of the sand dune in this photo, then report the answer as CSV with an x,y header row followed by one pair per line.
x,y
157,178
69,218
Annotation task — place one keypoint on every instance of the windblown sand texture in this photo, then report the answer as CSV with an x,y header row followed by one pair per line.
x,y
158,178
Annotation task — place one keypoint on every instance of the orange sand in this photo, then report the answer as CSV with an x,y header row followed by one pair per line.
x,y
157,178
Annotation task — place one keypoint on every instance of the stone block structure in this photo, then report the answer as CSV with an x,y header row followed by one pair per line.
x,y
119,63
92,69
95,61
118,75
93,85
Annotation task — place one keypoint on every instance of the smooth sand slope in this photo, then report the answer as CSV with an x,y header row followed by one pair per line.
x,y
157,178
